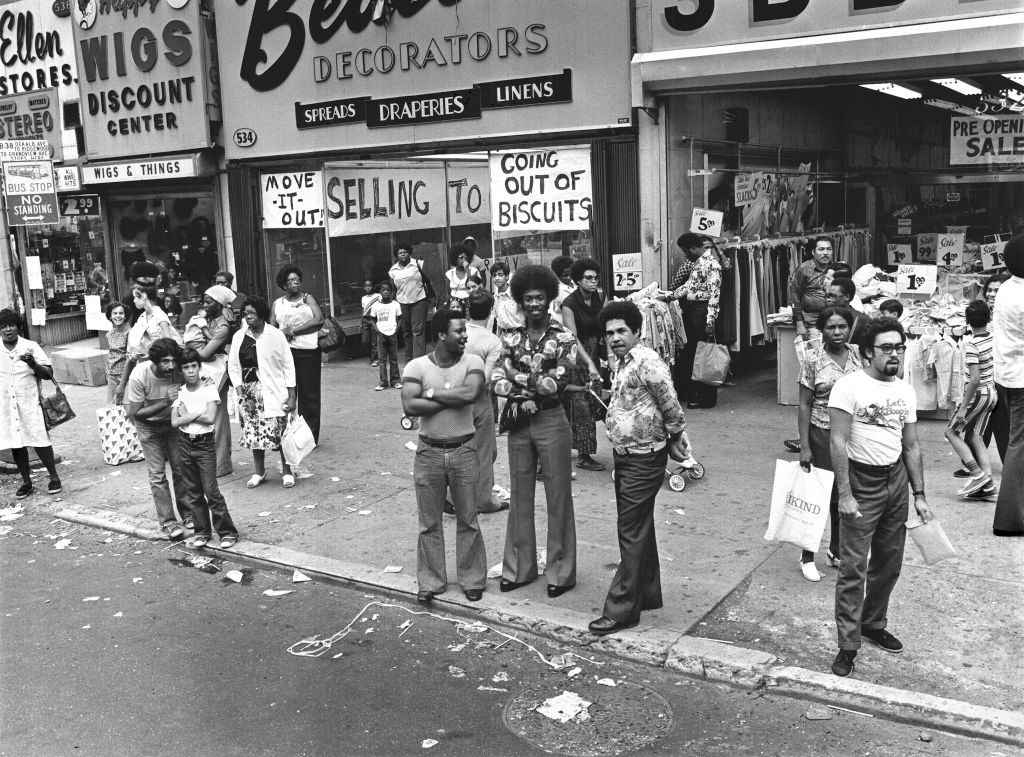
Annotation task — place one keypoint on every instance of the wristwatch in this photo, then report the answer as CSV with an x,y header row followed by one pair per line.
x,y
918,492
429,394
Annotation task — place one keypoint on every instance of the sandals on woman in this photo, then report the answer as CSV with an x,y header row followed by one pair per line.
x,y
255,480
288,481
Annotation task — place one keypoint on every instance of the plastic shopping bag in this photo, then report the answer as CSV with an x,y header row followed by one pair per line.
x,y
297,440
799,505
119,441
931,540
710,363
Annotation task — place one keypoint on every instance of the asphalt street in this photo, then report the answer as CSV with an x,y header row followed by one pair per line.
x,y
112,645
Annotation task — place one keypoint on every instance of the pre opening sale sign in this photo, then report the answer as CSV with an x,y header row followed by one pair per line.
x,y
534,190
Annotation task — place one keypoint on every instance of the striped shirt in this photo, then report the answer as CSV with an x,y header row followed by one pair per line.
x,y
978,351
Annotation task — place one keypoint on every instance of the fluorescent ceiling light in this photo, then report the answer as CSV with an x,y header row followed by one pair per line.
x,y
958,85
1017,79
956,108
896,90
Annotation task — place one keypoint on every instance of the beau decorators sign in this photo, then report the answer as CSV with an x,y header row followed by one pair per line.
x,y
354,73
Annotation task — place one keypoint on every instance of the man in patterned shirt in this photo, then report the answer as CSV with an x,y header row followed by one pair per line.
x,y
698,284
645,425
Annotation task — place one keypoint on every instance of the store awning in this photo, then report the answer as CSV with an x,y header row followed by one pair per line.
x,y
164,168
945,47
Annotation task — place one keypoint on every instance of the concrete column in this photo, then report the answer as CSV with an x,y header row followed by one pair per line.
x,y
652,170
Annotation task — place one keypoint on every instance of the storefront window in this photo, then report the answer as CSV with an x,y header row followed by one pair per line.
x,y
175,232
303,248
71,263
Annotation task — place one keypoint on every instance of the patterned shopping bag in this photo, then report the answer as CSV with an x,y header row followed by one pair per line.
x,y
118,438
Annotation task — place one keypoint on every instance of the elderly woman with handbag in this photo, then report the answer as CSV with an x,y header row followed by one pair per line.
x,y
262,371
23,364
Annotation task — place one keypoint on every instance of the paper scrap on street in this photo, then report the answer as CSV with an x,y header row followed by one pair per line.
x,y
501,677
118,614
335,478
277,592
115,473
560,661
455,672
392,569
427,743
299,577
574,672
406,624
62,544
364,512
234,575
137,580
491,688
264,514
11,513
565,707
90,599
456,647
819,713
606,682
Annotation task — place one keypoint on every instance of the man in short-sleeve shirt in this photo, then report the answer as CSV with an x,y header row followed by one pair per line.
x,y
874,446
482,342
441,389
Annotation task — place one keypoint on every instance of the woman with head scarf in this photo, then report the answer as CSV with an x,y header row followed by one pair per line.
x,y
209,333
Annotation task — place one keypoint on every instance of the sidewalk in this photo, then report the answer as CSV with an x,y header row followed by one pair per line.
x,y
960,620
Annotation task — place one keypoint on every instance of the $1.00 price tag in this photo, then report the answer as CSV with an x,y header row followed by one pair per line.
x,y
916,280
708,222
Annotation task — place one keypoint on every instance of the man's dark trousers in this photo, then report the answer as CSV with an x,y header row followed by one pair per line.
x,y
197,455
695,321
863,587
637,582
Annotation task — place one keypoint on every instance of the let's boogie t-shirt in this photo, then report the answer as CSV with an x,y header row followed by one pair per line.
x,y
880,410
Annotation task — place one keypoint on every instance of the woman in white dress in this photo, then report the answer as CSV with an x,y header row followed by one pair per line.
x,y
23,364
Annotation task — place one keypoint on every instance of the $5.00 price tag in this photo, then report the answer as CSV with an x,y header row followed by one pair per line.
x,y
916,280
708,222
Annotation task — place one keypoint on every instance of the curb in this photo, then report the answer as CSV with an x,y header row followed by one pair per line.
x,y
691,656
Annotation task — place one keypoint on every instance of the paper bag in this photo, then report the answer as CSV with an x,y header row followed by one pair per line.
x,y
119,441
297,440
710,363
931,540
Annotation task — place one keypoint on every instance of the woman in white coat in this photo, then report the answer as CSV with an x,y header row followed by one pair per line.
x,y
262,371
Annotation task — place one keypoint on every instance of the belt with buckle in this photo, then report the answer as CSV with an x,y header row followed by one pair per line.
x,y
198,437
869,468
449,444
639,450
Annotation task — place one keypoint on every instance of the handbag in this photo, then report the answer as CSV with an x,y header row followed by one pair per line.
x,y
931,540
799,505
512,415
428,285
56,408
710,363
119,440
297,440
330,336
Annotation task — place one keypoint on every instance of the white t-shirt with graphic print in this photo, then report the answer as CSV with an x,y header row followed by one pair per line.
x,y
880,410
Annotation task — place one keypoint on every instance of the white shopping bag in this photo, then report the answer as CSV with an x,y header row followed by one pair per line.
x,y
799,505
297,440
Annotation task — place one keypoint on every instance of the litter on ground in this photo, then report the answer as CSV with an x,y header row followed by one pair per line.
x,y
565,707
392,569
234,575
299,577
277,592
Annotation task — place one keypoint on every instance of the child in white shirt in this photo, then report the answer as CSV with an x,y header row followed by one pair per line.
x,y
193,414
385,315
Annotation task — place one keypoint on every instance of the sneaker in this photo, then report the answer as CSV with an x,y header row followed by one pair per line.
x,y
882,639
172,530
962,473
227,542
380,387
189,524
843,664
975,484
987,492
24,490
793,445
197,542
54,487
810,571
397,385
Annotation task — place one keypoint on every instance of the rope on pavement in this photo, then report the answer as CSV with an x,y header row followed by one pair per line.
x,y
314,646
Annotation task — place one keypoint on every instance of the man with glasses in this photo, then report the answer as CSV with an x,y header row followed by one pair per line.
x,y
698,286
875,450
